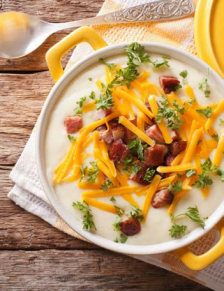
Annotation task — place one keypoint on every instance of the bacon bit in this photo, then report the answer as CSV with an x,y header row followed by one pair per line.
x,y
130,226
118,150
168,83
73,124
162,198
177,147
155,133
154,156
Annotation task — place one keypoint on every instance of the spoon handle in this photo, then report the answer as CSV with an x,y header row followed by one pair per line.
x,y
158,10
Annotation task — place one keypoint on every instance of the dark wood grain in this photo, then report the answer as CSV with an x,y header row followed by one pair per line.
x,y
84,270
33,254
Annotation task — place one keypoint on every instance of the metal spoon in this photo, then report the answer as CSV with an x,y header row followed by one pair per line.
x,y
20,33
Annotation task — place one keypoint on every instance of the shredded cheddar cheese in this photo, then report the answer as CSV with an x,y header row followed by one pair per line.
x,y
219,152
218,110
101,205
178,168
150,192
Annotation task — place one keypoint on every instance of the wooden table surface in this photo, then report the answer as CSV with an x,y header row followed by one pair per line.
x,y
32,253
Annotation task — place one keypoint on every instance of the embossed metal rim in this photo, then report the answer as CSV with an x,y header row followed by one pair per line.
x,y
40,138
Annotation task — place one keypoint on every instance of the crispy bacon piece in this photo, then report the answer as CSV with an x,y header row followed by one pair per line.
x,y
162,198
139,176
118,130
169,160
177,147
73,124
155,133
118,150
168,83
130,226
154,156
105,134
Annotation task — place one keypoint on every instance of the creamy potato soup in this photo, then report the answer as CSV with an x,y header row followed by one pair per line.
x,y
134,148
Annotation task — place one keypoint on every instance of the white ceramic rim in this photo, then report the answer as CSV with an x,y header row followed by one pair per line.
x,y
41,132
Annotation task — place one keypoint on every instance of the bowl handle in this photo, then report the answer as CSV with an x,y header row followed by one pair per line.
x,y
54,54
198,263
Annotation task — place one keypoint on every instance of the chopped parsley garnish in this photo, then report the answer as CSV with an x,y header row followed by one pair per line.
x,y
105,100
135,146
78,109
127,75
160,62
204,179
190,173
221,121
130,167
184,74
92,95
111,66
90,172
170,114
149,174
206,112
112,199
106,185
175,187
136,53
204,86
123,238
71,138
177,231
117,223
93,171
90,79
87,217
135,212
193,214
178,107
215,137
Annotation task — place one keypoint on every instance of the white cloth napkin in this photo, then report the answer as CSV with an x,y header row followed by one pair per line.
x,y
28,194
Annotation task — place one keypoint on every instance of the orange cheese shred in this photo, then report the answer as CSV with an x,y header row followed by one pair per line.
x,y
101,205
178,168
219,152
150,192
124,121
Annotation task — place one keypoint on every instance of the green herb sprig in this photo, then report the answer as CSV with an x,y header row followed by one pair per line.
x,y
87,217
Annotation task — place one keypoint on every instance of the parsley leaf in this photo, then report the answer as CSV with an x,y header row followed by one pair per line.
x,y
190,173
215,137
170,114
90,79
106,185
105,101
160,63
136,53
117,223
78,109
177,231
136,147
193,214
128,74
206,112
135,212
111,66
175,187
204,179
92,171
149,174
71,138
131,167
92,95
179,108
205,87
221,121
87,217
184,74
123,238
